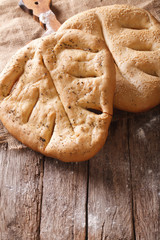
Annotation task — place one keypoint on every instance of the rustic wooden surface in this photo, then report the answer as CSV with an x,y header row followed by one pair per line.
x,y
114,196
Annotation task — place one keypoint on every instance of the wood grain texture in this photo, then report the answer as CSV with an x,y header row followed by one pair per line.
x,y
114,196
20,194
144,142
64,201
109,198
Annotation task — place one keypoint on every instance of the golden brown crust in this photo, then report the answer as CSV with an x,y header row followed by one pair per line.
x,y
56,95
133,37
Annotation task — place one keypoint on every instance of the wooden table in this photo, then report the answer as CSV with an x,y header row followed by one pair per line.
x,y
114,196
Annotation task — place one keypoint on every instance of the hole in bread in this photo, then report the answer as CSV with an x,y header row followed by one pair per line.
x,y
8,89
51,129
135,25
13,87
149,71
98,112
29,101
134,28
84,76
136,19
140,47
152,73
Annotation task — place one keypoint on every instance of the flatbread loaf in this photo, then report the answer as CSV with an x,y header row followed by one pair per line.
x,y
56,95
133,37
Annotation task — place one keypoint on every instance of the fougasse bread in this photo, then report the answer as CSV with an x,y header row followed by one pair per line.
x,y
133,38
56,95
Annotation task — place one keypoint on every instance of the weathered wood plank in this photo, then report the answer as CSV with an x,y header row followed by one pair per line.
x,y
64,201
110,196
144,142
20,194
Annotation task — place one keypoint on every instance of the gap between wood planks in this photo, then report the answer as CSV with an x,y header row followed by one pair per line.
x,y
87,194
41,187
131,182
